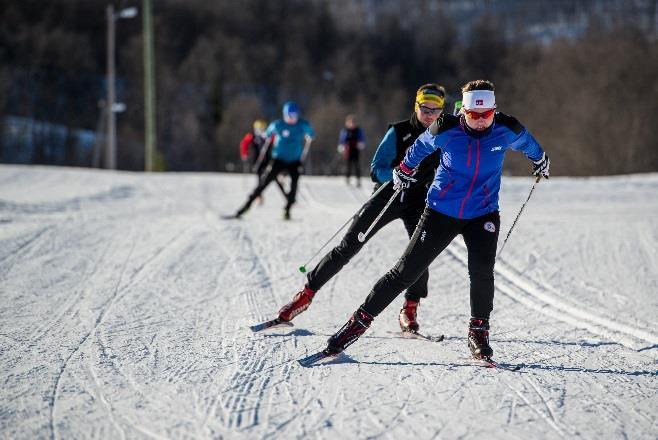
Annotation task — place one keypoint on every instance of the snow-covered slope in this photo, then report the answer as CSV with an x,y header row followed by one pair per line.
x,y
125,301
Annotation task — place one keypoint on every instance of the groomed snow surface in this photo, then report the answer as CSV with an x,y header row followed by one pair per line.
x,y
126,300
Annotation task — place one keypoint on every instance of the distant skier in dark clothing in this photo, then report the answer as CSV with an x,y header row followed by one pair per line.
x,y
463,199
408,207
292,139
350,143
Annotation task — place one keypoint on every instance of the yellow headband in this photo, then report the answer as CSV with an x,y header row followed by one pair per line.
x,y
429,95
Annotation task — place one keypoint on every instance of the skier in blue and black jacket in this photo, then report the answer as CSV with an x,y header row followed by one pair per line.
x,y
463,199
408,207
292,139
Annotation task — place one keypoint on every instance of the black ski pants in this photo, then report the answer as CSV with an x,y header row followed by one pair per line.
x,y
275,168
433,234
408,210
352,166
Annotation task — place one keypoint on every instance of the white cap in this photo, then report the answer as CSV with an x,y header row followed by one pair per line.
x,y
479,99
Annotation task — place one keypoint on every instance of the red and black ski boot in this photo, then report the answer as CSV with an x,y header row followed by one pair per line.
x,y
299,303
407,316
349,333
478,338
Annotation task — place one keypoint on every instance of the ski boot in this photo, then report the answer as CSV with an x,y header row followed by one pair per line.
x,y
241,211
407,316
478,338
286,214
299,303
349,333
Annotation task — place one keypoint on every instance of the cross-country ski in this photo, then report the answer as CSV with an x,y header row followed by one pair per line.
x,y
272,323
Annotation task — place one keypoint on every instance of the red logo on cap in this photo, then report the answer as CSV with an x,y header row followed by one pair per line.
x,y
479,102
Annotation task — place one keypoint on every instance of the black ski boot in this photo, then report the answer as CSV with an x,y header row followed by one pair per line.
x,y
478,338
286,211
349,333
241,211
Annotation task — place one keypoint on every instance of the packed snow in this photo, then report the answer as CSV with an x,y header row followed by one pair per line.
x,y
126,301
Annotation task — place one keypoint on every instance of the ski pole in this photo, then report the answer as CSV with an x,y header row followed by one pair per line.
x,y
362,235
302,268
519,214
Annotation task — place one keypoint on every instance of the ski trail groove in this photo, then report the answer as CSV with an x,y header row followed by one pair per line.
x,y
71,301
25,245
53,400
243,395
545,417
534,297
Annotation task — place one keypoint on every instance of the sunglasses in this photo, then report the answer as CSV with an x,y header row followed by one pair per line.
x,y
429,111
476,115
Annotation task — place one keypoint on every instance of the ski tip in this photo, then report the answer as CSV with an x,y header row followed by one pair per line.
x,y
270,324
419,335
320,358
438,338
229,217
490,363
311,360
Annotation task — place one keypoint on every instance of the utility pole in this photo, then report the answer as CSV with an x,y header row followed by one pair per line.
x,y
111,138
149,88
111,107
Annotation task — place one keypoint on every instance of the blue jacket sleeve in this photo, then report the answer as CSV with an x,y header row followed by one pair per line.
x,y
384,156
342,137
271,129
308,130
527,144
424,145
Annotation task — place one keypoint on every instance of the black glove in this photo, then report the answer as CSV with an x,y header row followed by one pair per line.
x,y
403,177
541,166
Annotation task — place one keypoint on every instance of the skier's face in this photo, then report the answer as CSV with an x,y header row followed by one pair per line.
x,y
427,113
291,118
479,119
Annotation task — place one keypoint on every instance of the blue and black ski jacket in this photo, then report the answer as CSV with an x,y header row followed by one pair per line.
x,y
467,181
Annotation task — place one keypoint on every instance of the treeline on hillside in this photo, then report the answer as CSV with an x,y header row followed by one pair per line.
x,y
220,65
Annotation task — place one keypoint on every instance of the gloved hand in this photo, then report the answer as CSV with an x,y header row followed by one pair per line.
x,y
403,177
541,166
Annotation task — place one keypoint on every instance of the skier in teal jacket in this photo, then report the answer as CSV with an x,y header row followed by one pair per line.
x,y
292,139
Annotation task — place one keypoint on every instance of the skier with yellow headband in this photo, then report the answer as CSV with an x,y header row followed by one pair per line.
x,y
408,207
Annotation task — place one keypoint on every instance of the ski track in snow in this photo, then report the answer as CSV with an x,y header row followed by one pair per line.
x,y
126,302
538,297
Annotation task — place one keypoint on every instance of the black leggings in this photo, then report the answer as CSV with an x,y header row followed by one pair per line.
x,y
409,211
433,234
352,165
275,168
